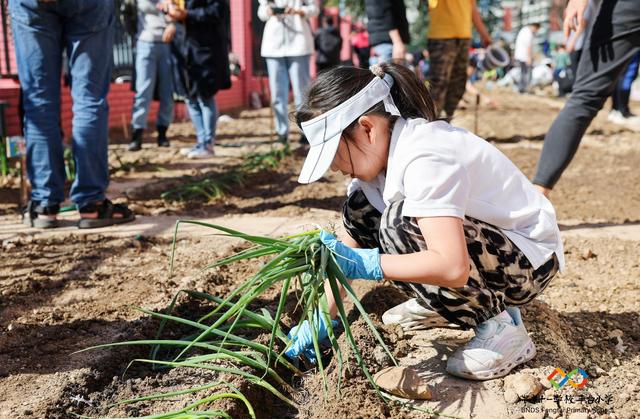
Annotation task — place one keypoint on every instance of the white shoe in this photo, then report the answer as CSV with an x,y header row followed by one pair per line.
x,y
501,343
186,150
410,315
201,153
616,117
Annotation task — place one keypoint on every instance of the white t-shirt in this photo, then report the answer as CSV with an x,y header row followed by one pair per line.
x,y
439,170
524,41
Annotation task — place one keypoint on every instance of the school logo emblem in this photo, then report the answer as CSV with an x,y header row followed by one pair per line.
x,y
577,378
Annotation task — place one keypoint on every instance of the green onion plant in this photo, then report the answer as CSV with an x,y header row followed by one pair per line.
x,y
297,266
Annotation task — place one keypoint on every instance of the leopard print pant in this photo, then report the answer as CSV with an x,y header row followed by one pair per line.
x,y
500,275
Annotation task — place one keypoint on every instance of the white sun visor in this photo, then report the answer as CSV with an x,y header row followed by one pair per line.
x,y
324,131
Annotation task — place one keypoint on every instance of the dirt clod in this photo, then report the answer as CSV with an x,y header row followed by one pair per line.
x,y
525,386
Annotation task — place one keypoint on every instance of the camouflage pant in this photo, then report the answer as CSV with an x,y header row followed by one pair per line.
x,y
500,275
448,60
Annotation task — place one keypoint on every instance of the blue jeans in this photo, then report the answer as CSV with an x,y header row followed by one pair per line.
x,y
203,113
153,64
383,53
41,32
282,70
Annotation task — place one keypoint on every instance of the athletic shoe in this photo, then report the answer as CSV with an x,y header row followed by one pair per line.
x,y
203,152
186,150
501,344
616,117
410,315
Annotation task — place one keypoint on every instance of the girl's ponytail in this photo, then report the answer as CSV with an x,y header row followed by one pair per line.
x,y
410,95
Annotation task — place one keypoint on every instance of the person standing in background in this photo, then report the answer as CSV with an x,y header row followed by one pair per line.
x,y
328,45
287,45
523,54
206,50
388,29
449,40
153,72
360,43
42,31
613,41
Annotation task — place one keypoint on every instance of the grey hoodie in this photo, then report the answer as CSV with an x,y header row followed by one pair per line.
x,y
151,21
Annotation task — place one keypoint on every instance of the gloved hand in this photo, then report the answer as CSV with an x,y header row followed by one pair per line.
x,y
303,340
354,263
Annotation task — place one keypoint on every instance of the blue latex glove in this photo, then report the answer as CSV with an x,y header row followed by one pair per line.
x,y
303,340
354,263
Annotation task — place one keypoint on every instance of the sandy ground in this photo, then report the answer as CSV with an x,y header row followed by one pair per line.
x,y
63,290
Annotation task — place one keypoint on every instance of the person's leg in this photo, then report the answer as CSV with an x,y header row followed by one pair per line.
x,y
209,118
442,54
146,73
597,76
298,68
165,84
624,86
165,90
204,114
362,221
88,33
195,114
500,276
615,98
525,76
497,267
37,34
279,86
458,78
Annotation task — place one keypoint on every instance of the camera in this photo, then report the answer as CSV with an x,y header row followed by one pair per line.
x,y
277,10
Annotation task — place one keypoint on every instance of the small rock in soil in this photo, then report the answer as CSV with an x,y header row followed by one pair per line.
x,y
588,254
616,333
381,356
510,396
526,386
589,343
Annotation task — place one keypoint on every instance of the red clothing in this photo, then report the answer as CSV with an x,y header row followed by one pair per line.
x,y
360,40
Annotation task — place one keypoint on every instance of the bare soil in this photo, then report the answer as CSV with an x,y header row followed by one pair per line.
x,y
65,293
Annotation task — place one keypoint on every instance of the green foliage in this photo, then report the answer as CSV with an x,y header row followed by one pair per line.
x,y
69,164
297,266
355,8
216,185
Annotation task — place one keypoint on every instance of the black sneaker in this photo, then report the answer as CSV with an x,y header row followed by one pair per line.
x,y
38,216
136,140
163,141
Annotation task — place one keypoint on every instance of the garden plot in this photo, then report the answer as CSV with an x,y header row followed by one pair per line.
x,y
68,292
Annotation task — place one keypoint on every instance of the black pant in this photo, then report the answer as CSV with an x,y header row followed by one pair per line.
x,y
615,38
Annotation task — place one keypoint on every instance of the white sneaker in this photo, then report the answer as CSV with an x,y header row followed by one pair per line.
x,y
201,153
501,343
186,150
616,117
410,315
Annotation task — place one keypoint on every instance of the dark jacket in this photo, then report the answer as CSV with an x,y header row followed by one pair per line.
x,y
206,47
328,44
383,16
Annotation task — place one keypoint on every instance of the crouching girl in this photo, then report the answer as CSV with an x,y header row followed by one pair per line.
x,y
433,208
